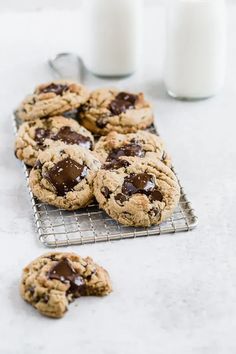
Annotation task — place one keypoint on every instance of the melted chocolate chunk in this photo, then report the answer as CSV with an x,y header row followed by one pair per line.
x,y
115,165
58,89
121,198
133,149
41,134
129,97
64,272
69,136
106,192
143,183
156,195
65,175
122,103
138,183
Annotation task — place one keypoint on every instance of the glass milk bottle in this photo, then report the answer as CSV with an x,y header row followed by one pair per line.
x,y
196,46
113,36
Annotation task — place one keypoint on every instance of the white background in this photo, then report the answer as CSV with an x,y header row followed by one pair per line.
x,y
32,5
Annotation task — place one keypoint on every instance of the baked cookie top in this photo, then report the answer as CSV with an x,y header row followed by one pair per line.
x,y
63,176
141,144
55,279
137,192
36,135
52,99
111,110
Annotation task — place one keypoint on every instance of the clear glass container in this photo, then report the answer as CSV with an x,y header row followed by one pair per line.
x,y
195,48
113,36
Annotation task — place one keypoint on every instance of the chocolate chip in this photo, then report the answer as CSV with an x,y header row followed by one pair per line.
x,y
125,96
52,257
156,195
143,183
69,136
31,124
121,198
154,211
122,102
65,175
135,183
106,192
115,165
64,272
58,89
41,134
101,122
31,290
38,165
132,149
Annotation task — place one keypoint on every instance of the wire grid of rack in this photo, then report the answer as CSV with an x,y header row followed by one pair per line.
x,y
58,227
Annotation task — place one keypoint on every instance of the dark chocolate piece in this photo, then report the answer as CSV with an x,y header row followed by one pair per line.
x,y
64,272
69,136
65,175
106,192
101,122
135,183
115,165
41,134
132,149
58,89
122,102
121,198
31,290
143,183
156,195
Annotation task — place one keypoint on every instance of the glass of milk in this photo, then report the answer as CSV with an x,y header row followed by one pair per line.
x,y
196,46
113,36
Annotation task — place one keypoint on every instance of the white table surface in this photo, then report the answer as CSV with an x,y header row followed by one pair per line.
x,y
172,294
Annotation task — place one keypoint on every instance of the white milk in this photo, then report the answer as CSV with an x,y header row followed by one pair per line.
x,y
113,36
196,45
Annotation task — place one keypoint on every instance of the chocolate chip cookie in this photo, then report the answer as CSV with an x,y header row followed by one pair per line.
x,y
141,144
34,136
137,192
52,99
52,281
63,176
110,110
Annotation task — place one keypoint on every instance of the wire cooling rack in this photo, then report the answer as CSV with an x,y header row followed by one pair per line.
x,y
58,227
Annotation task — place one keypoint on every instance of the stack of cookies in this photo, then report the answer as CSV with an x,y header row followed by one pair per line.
x,y
127,170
